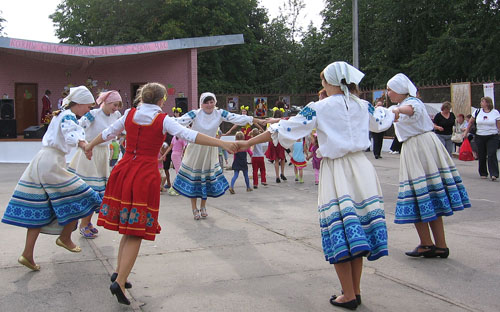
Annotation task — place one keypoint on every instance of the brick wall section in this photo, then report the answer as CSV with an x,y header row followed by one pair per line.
x,y
178,68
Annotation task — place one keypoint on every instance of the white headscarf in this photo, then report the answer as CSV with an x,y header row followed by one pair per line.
x,y
204,95
402,85
335,72
79,95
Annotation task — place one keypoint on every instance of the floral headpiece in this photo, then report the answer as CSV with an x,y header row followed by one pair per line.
x,y
276,108
243,107
177,109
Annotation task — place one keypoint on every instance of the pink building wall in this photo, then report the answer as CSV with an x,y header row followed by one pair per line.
x,y
177,68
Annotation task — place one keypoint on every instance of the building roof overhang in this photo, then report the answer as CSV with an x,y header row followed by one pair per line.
x,y
74,54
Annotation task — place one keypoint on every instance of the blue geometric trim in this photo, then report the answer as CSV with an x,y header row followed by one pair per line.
x,y
346,236
89,117
69,117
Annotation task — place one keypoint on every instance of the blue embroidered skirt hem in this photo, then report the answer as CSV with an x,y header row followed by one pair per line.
x,y
47,191
200,175
351,210
430,185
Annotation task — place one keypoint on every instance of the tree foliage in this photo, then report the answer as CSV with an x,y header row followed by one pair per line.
x,y
428,40
2,20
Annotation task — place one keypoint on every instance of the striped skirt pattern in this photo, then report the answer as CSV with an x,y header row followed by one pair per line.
x,y
200,175
94,172
351,209
47,191
429,183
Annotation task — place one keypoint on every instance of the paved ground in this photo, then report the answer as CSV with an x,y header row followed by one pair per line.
x,y
260,251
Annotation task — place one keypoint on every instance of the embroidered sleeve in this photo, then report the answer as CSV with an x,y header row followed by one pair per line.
x,y
286,132
172,126
187,118
115,128
87,119
381,118
71,131
236,119
418,108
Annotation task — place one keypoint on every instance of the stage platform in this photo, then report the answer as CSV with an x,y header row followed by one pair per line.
x,y
21,150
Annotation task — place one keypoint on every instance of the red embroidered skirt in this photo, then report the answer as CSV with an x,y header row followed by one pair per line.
x,y
132,198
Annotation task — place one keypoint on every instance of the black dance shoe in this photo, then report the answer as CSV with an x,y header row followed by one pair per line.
x,y
282,176
278,180
351,305
428,253
358,298
117,291
442,252
113,278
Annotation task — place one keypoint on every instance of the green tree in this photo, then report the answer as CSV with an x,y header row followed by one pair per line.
x,y
2,20
97,22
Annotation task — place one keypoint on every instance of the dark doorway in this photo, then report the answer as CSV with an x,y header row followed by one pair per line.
x,y
26,106
133,88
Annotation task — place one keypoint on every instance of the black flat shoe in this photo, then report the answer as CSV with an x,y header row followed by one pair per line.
x,y
351,305
117,291
428,253
278,180
282,176
358,298
113,278
442,252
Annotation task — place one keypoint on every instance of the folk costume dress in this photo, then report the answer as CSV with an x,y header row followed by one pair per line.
x,y
430,185
94,172
132,198
200,175
350,202
47,192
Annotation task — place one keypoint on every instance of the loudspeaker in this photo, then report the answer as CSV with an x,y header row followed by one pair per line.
x,y
8,128
7,108
182,102
34,132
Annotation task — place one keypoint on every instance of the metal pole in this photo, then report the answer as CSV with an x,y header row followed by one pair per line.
x,y
355,52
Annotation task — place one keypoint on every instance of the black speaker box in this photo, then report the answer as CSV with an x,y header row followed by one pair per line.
x,y
34,132
182,102
8,128
7,108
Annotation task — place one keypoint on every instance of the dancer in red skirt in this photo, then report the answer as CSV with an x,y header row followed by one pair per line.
x,y
277,153
132,197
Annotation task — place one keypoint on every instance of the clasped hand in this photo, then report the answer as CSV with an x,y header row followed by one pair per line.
x,y
236,146
88,151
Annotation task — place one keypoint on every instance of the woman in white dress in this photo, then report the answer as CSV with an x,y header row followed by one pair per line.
x,y
96,172
47,193
200,175
430,186
350,202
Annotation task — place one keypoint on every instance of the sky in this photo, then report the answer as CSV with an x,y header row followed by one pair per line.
x,y
29,19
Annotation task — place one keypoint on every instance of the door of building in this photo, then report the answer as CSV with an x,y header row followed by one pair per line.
x,y
133,90
26,106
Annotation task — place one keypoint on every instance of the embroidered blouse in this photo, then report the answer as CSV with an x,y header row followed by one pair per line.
x,y
95,121
209,123
341,123
409,126
63,133
145,115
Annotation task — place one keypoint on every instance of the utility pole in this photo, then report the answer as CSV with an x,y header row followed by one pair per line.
x,y
355,52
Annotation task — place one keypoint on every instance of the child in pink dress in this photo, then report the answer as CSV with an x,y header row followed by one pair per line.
x,y
177,146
